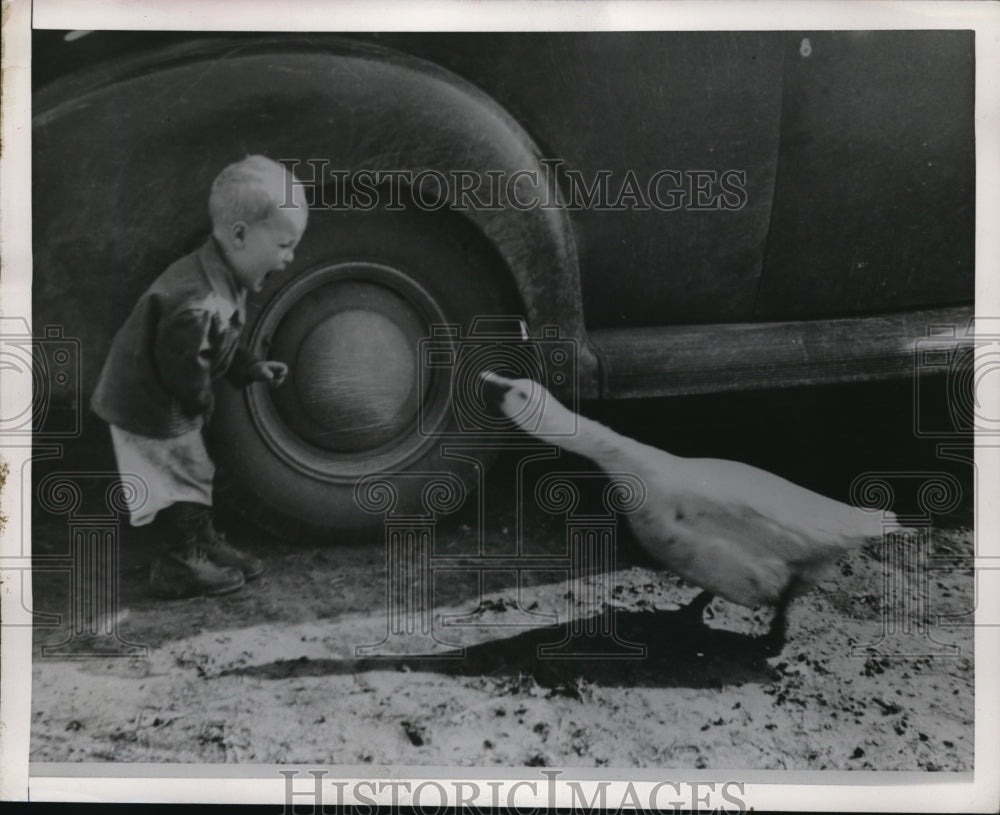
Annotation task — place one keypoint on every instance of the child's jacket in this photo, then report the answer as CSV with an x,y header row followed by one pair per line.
x,y
181,336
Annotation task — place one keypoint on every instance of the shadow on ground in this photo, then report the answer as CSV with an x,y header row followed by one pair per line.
x,y
650,649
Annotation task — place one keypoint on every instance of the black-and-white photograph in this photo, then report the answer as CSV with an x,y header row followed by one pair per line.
x,y
555,401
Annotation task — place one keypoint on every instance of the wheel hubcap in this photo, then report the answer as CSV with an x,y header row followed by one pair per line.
x,y
354,397
355,375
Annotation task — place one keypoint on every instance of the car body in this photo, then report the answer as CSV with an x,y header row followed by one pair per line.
x,y
709,211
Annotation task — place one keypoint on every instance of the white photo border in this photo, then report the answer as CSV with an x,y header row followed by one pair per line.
x,y
875,791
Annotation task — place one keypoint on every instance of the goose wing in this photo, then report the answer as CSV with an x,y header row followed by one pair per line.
x,y
742,490
734,550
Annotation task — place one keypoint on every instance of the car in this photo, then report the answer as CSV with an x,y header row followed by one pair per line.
x,y
618,215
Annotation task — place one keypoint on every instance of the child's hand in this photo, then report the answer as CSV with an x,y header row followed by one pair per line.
x,y
269,371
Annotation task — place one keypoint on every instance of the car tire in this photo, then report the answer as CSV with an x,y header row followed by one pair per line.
x,y
123,156
359,400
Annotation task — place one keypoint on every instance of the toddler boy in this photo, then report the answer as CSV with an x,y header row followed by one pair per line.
x,y
155,390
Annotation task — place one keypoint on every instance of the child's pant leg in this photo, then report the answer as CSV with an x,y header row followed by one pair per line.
x,y
172,470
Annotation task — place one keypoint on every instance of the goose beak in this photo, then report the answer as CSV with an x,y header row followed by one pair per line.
x,y
494,379
494,388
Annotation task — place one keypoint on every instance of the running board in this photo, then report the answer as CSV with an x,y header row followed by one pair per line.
x,y
691,359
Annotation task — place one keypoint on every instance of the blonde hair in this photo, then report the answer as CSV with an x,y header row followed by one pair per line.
x,y
251,190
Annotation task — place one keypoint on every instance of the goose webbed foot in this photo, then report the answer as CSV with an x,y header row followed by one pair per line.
x,y
695,610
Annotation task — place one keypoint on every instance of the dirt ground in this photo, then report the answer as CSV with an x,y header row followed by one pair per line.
x,y
271,674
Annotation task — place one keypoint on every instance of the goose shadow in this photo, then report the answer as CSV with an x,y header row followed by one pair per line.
x,y
654,648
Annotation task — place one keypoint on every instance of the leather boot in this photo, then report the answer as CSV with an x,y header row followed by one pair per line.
x,y
224,554
218,549
183,569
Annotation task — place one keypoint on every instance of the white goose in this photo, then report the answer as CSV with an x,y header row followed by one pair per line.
x,y
734,530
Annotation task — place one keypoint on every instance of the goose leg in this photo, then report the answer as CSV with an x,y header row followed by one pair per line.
x,y
774,640
696,608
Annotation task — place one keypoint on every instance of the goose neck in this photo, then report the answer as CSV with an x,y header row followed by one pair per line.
x,y
610,450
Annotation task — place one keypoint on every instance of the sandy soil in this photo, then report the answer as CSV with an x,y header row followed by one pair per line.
x,y
270,674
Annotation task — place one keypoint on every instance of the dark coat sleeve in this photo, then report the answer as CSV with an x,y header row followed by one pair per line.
x,y
184,359
238,374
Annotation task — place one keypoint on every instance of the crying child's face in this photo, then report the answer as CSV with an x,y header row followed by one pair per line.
x,y
266,246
